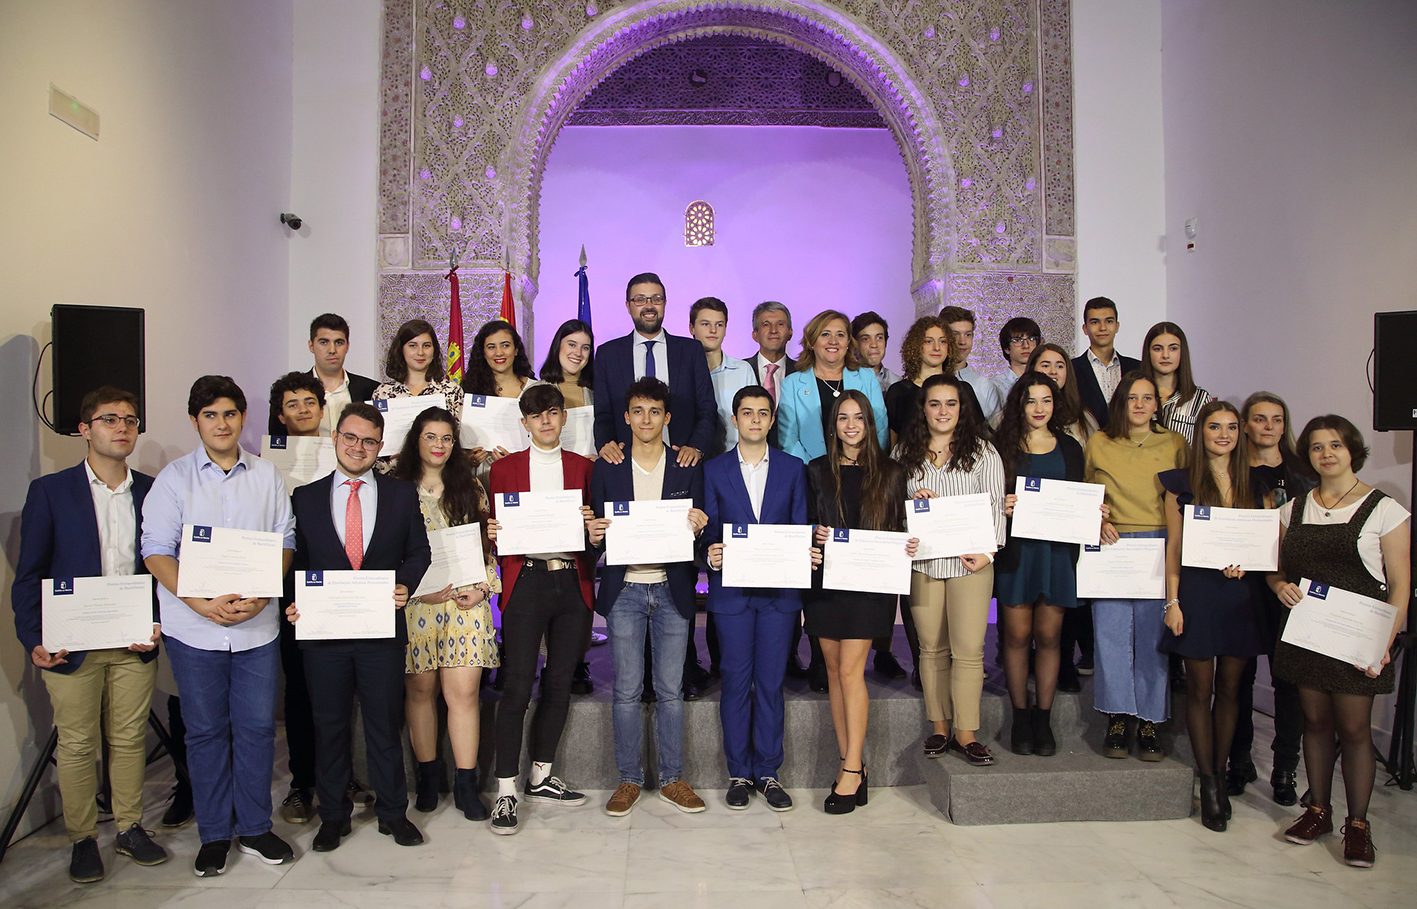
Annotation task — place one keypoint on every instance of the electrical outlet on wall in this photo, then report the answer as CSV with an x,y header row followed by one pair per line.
x,y
1192,229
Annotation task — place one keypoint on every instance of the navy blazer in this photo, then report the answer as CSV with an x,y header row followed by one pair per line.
x,y
361,389
399,542
59,539
692,406
1090,391
616,483
726,502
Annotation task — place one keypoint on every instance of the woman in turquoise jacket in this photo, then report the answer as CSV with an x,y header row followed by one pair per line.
x,y
826,369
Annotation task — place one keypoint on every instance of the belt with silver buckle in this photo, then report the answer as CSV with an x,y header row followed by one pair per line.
x,y
550,564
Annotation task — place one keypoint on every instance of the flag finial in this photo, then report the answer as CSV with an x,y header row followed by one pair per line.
x,y
582,255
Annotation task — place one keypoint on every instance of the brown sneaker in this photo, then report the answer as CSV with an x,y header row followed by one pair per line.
x,y
1312,824
626,794
682,796
1357,843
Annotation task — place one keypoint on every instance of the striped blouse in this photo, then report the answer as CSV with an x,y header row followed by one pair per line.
x,y
987,476
1181,418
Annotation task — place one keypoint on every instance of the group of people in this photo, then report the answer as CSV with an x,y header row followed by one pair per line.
x,y
831,439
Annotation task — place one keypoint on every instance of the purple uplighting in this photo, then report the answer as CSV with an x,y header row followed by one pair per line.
x,y
966,183
458,121
1027,87
964,82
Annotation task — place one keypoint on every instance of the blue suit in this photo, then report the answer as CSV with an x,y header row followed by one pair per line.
x,y
754,624
799,412
692,406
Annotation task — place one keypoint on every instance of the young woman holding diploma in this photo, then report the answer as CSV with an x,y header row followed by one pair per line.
x,y
450,633
414,364
1348,535
497,368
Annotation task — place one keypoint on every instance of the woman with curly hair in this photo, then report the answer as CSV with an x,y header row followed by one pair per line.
x,y
497,367
928,350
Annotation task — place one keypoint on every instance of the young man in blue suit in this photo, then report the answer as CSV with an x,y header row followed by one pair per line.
x,y
751,484
78,523
654,600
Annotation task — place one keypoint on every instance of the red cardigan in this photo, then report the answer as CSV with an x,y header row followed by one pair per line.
x,y
513,474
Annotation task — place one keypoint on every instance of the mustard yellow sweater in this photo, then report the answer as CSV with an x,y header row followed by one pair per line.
x,y
1128,469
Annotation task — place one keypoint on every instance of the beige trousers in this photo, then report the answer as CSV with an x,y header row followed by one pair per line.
x,y
951,617
113,689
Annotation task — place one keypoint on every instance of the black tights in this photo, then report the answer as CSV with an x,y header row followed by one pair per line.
x,y
1211,720
1042,624
1328,720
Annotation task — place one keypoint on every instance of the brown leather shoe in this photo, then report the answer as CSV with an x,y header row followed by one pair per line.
x,y
626,794
682,796
1312,824
1357,843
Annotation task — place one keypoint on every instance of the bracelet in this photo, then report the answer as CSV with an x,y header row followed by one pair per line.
x,y
1169,603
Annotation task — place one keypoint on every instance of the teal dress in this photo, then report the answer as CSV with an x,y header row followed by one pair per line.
x,y
1038,568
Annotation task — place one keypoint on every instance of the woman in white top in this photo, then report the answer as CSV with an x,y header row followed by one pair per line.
x,y
1166,361
498,367
569,365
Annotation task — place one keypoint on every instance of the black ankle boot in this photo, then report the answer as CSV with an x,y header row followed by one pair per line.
x,y
466,797
1044,745
1212,808
430,774
1021,736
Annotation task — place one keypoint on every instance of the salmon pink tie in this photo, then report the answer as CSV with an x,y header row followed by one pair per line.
x,y
354,526
770,380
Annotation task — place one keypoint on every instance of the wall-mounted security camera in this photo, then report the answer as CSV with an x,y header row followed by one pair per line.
x,y
290,220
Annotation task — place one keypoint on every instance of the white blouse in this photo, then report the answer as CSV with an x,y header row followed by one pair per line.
x,y
987,477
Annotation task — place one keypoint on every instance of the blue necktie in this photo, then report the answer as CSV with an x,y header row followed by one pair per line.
x,y
649,359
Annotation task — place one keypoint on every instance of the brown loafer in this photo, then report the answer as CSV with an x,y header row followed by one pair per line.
x,y
974,752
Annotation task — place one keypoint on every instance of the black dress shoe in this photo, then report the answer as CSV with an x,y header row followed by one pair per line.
x,y
327,839
1286,792
795,669
1238,776
691,691
777,797
936,745
402,830
974,752
85,863
580,680
740,791
887,665
180,811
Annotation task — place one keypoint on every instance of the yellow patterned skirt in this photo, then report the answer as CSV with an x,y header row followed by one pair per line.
x,y
442,636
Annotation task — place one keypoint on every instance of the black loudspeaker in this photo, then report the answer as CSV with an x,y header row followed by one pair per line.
x,y
1394,371
95,346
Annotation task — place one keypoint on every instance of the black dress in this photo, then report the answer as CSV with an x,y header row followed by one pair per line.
x,y
845,614
1220,616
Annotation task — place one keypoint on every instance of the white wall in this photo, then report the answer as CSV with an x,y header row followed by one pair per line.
x,y
815,218
173,209
1118,154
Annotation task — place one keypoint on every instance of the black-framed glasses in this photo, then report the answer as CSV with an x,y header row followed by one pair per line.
x,y
111,420
351,439
1026,339
641,299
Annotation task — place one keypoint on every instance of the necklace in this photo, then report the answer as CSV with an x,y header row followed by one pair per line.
x,y
1318,495
836,389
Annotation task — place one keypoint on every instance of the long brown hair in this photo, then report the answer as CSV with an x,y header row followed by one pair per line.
x,y
1203,485
911,359
879,510
1118,426
396,367
463,498
1185,384
1010,439
1067,403
814,328
966,444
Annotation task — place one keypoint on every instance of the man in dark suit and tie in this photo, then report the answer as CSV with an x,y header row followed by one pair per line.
x,y
1100,368
85,522
772,329
329,343
752,485
357,519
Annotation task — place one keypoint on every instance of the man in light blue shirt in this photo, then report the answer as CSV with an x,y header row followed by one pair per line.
x,y
224,651
708,323
1018,339
961,325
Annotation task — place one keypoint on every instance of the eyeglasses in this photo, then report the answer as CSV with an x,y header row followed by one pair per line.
x,y
351,440
641,299
111,420
431,439
1026,339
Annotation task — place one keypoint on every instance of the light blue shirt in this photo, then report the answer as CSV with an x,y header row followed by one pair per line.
x,y
194,490
730,376
1003,383
368,505
984,390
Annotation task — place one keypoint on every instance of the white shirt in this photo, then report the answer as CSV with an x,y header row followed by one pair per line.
x,y
368,505
778,374
547,475
661,356
728,377
755,478
1109,375
649,487
335,402
117,524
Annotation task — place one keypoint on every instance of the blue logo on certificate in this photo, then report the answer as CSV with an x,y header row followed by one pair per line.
x,y
277,443
922,505
841,535
63,587
1090,548
1032,484
314,579
740,531
510,500
201,533
382,405
1318,591
1202,512
620,508
476,400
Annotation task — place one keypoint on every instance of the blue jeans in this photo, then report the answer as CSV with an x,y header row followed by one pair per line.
x,y
642,608
1132,672
229,707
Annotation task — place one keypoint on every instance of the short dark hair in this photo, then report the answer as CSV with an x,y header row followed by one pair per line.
x,y
208,389
331,321
649,389
1347,432
953,314
364,411
644,277
295,381
866,320
394,365
753,391
539,399
713,304
1018,326
1098,303
105,394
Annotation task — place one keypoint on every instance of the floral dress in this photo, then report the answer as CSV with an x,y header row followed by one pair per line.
x,y
440,635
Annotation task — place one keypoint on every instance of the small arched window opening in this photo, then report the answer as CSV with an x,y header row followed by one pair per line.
x,y
698,224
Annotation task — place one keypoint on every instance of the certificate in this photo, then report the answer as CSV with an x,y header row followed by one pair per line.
x,y
950,526
767,555
866,561
649,533
399,414
490,422
96,613
1058,510
215,561
540,522
579,434
1129,569
340,605
1338,623
1221,537
300,459
457,559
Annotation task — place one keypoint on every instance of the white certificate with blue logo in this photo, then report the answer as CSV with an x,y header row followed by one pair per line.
x,y
215,561
300,459
490,422
950,526
343,605
1221,537
399,414
767,555
579,434
1133,568
649,533
532,522
96,613
866,561
457,559
1060,511
1338,623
